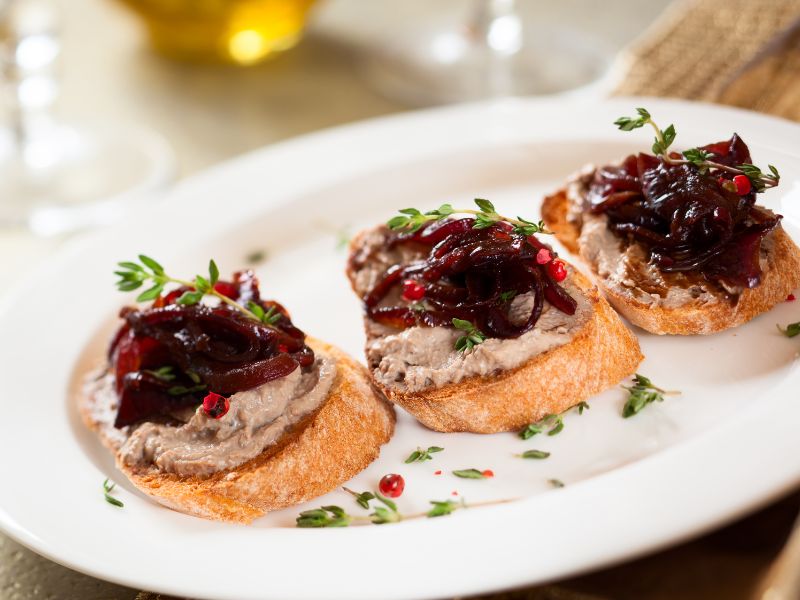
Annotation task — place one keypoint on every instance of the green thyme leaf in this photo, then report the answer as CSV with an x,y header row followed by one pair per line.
x,y
361,499
326,516
698,157
552,424
272,316
538,454
469,474
213,272
364,497
420,455
108,487
583,406
471,338
202,284
150,294
156,268
485,205
162,373
445,507
507,296
181,390
190,298
382,515
642,393
256,256
256,309
559,425
529,227
792,329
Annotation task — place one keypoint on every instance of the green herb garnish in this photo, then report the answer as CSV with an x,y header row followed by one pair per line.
x,y
133,275
362,499
469,474
420,455
181,390
412,219
387,513
444,507
538,454
552,424
696,156
508,296
642,393
255,257
108,487
326,516
471,338
792,329
162,373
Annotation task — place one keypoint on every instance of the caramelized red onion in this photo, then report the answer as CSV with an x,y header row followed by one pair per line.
x,y
687,220
470,274
203,349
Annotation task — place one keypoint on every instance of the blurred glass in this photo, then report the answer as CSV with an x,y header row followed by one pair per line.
x,y
493,52
57,176
242,32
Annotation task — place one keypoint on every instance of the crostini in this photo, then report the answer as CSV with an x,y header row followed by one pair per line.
x,y
473,324
676,241
216,405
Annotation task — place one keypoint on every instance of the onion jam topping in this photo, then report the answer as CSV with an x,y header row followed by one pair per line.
x,y
470,274
688,218
170,355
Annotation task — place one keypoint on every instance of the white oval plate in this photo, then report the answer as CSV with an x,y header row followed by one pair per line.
x,y
726,445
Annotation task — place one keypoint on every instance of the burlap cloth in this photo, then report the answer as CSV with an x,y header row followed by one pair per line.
x,y
744,53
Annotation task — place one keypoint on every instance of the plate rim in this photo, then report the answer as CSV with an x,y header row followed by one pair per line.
x,y
777,485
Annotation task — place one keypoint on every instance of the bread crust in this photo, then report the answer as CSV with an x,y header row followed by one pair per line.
x,y
601,354
699,318
341,439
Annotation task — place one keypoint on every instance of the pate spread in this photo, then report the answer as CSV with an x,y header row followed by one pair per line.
x,y
193,443
625,268
417,358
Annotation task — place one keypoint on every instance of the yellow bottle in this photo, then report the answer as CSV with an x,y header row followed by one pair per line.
x,y
243,32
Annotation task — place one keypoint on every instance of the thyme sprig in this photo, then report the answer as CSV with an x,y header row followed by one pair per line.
x,y
336,516
791,330
642,393
696,156
471,338
551,424
412,219
420,455
108,487
133,275
362,499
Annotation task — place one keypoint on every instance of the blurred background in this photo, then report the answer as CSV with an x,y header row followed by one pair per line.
x,y
105,104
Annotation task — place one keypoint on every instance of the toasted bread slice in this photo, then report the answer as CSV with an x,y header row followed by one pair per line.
x,y
599,355
698,316
338,441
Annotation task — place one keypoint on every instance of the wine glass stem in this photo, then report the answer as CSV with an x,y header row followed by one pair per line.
x,y
495,29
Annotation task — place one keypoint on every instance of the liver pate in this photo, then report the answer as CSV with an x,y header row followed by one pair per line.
x,y
418,358
195,444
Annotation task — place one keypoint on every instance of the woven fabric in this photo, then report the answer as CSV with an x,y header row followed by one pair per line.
x,y
744,53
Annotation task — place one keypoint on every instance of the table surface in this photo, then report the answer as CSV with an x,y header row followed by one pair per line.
x,y
209,114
